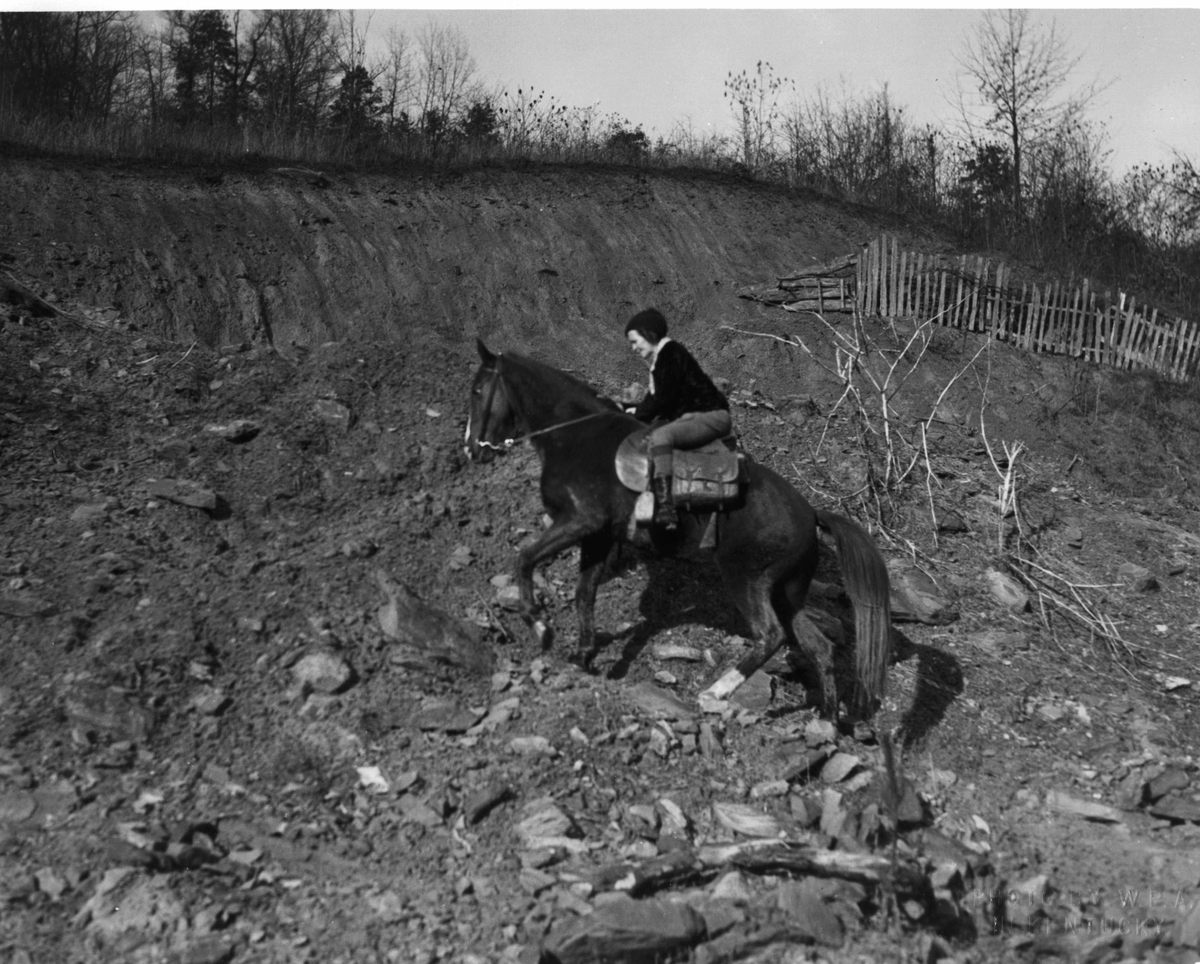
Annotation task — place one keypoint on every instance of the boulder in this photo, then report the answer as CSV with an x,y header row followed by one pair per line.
x,y
916,598
426,636
1007,591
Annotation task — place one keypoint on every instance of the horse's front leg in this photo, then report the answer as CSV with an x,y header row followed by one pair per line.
x,y
563,534
596,553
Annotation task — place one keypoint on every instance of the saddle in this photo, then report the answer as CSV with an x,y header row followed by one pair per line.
x,y
707,477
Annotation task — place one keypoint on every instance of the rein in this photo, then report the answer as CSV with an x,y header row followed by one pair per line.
x,y
508,443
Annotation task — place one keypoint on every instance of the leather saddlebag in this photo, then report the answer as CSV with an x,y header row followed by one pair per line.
x,y
705,479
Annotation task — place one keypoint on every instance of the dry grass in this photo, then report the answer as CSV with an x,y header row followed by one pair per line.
x,y
538,133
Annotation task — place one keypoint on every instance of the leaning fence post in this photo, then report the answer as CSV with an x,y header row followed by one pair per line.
x,y
1132,332
1021,334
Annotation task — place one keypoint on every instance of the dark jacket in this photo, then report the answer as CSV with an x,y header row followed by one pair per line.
x,y
680,385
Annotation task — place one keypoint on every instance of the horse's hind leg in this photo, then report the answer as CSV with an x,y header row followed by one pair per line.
x,y
809,642
816,648
596,554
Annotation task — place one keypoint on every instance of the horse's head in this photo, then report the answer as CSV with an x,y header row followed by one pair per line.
x,y
491,418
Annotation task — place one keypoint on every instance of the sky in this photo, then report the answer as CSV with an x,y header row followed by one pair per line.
x,y
660,68
666,66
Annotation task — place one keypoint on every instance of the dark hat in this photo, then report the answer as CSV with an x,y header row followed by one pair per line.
x,y
649,323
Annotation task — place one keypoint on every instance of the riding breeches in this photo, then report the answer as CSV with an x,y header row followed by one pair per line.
x,y
690,430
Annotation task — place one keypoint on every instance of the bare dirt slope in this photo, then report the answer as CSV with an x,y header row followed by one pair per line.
x,y
195,681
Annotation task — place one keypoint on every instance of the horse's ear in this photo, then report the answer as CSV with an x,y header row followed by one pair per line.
x,y
484,354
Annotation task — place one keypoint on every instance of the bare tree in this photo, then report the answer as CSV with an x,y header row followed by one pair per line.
x,y
245,61
446,75
351,40
1020,75
148,90
298,66
398,82
754,99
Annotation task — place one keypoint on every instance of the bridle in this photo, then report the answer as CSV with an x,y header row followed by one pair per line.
x,y
487,413
508,443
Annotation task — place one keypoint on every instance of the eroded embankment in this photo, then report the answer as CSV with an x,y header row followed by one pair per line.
x,y
286,256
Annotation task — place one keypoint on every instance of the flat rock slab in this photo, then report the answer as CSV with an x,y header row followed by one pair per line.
x,y
744,819
542,819
658,704
1172,807
803,906
1088,809
755,694
625,931
183,492
840,766
677,651
239,430
24,605
447,716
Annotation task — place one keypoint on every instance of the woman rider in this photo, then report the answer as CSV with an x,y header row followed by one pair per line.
x,y
682,397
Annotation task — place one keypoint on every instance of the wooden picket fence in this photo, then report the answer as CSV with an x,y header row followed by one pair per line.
x,y
975,294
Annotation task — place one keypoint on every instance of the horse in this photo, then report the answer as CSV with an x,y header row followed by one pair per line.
x,y
766,547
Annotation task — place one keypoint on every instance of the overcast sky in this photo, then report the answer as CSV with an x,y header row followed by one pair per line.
x,y
662,67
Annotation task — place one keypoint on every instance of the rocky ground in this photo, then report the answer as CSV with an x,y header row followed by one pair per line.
x,y
262,696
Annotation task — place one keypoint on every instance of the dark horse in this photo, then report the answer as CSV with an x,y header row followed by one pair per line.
x,y
766,546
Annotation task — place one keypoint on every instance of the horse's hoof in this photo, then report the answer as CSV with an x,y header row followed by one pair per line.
x,y
542,634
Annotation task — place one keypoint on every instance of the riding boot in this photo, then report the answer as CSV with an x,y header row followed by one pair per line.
x,y
664,504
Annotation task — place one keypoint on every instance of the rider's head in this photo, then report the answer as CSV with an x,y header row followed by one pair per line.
x,y
646,329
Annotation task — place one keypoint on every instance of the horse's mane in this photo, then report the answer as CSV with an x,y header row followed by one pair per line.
x,y
565,387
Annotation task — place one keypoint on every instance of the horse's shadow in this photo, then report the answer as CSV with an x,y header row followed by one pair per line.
x,y
679,592
939,683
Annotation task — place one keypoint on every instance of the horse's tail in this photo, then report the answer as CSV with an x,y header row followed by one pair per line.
x,y
867,585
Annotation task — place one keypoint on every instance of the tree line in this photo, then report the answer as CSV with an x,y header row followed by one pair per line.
x,y
1023,167
277,82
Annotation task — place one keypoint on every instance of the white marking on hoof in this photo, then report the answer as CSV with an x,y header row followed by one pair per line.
x,y
540,632
715,698
726,684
